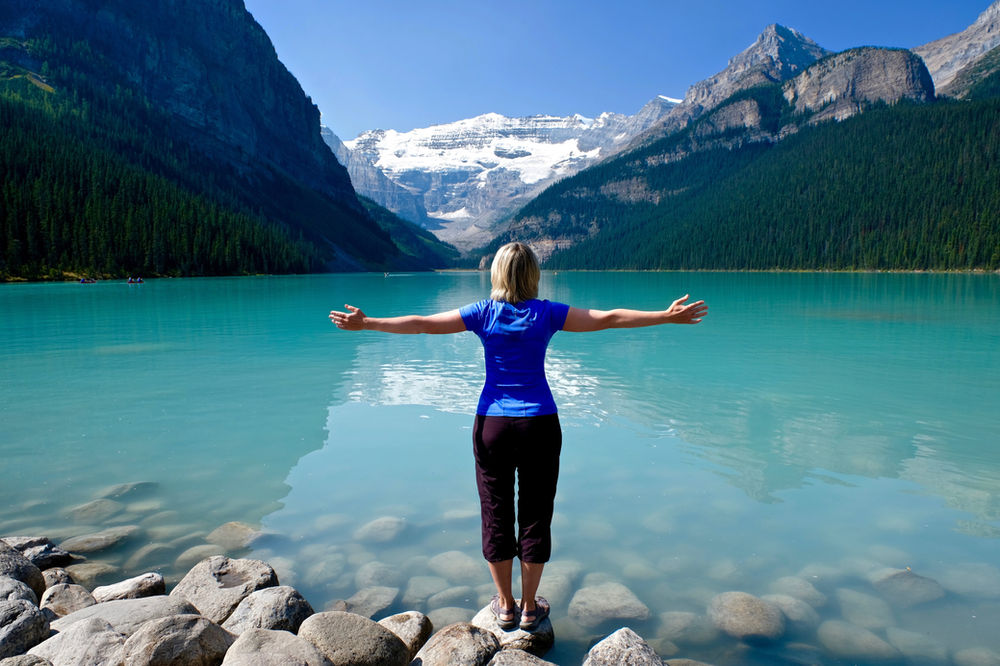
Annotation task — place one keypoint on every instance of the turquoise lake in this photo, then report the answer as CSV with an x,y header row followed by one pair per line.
x,y
818,427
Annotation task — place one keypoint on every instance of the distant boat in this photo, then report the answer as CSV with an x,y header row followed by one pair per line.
x,y
87,280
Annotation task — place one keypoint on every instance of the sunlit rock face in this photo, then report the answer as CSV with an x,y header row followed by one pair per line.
x,y
947,56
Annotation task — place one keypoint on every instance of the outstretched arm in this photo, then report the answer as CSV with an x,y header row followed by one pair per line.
x,y
582,321
356,320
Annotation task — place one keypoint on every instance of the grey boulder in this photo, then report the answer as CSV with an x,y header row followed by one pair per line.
x,y
40,551
622,647
268,647
15,565
191,640
460,643
537,642
90,642
351,640
280,607
144,585
412,628
217,585
127,615
11,589
22,627
63,599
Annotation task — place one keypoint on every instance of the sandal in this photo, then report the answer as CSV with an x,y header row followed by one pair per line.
x,y
531,619
506,618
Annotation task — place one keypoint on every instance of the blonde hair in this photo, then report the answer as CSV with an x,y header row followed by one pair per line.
x,y
514,274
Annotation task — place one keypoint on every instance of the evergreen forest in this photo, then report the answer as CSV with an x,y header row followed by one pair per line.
x,y
96,182
904,187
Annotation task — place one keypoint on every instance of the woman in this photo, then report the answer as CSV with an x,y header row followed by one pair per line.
x,y
517,426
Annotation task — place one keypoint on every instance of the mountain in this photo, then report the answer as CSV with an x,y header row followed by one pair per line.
x,y
850,164
185,98
778,54
459,179
947,56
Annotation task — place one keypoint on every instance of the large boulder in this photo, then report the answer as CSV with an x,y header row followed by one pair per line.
x,y
537,642
127,615
280,607
22,627
268,647
11,589
847,641
190,640
595,605
90,642
460,643
622,647
63,599
517,658
411,627
15,565
746,617
216,586
347,639
145,585
40,551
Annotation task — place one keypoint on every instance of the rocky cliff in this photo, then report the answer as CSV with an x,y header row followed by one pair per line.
x,y
842,85
778,54
947,56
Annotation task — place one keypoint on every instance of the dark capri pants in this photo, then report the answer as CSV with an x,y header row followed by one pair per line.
x,y
528,446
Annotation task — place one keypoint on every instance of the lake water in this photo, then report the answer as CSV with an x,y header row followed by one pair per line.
x,y
824,427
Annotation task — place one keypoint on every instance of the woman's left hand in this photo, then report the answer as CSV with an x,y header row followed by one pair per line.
x,y
348,321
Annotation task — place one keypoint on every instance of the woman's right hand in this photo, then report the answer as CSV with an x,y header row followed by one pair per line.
x,y
348,321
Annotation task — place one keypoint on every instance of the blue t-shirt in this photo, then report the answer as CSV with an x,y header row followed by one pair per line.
x,y
515,336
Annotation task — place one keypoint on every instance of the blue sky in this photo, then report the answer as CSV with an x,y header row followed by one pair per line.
x,y
400,64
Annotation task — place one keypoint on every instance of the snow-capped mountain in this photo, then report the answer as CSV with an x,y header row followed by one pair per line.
x,y
468,174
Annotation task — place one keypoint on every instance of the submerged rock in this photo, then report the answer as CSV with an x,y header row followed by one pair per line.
x,y
131,490
216,586
594,605
372,600
848,641
88,573
232,535
904,588
917,648
864,610
800,615
458,567
746,617
687,628
421,588
977,580
95,512
800,588
977,656
622,647
56,575
98,541
442,617
380,530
